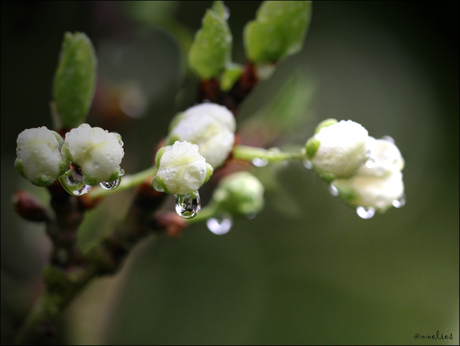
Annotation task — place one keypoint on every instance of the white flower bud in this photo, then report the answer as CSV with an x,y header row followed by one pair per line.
x,y
239,194
38,156
181,169
378,192
384,158
97,151
208,125
337,150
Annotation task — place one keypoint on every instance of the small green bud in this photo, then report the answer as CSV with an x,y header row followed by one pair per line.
x,y
239,194
38,156
74,81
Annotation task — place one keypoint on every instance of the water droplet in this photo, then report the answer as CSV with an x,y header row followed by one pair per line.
x,y
251,216
226,12
259,162
365,213
398,203
188,205
333,190
389,139
72,181
220,225
370,163
307,164
111,185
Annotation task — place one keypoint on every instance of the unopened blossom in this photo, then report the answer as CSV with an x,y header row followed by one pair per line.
x,y
181,169
338,149
39,158
208,125
96,151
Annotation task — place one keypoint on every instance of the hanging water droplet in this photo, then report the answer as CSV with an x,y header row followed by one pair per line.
x,y
365,213
110,185
251,216
398,203
220,225
188,205
72,181
333,190
258,162
307,164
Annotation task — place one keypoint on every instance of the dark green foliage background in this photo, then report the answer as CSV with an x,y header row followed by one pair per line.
x,y
311,274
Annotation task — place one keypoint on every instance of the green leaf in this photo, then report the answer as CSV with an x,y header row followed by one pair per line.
x,y
231,74
278,30
74,81
210,51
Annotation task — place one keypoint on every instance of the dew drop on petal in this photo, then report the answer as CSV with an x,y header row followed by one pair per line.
x,y
398,203
111,185
333,190
259,162
370,163
226,12
307,164
188,205
389,139
220,225
365,213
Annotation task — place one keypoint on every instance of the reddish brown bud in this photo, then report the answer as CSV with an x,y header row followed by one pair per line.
x,y
28,207
172,223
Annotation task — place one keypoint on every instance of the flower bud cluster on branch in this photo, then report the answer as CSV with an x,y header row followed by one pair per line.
x,y
364,171
88,156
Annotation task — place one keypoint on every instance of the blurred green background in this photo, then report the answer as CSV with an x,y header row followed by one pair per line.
x,y
307,269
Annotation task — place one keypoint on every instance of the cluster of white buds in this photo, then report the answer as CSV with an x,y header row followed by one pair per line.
x,y
208,125
239,194
365,172
43,156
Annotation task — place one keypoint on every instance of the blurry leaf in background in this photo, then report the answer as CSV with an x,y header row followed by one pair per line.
x,y
151,13
278,30
288,108
74,81
212,46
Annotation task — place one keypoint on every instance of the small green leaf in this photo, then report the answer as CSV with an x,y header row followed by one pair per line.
x,y
210,51
325,123
231,74
278,30
74,81
312,147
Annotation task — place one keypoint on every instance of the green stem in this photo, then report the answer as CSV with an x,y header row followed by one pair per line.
x,y
205,213
243,152
127,182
